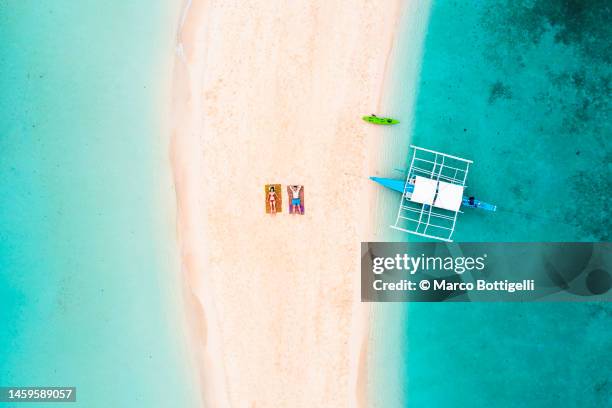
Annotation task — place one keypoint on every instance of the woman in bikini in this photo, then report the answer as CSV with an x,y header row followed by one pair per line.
x,y
272,200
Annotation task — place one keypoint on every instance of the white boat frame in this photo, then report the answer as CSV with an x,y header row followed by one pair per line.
x,y
431,222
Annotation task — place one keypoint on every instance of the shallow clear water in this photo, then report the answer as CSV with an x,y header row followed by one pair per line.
x,y
87,249
521,88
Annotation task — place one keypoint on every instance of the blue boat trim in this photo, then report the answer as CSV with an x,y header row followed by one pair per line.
x,y
398,185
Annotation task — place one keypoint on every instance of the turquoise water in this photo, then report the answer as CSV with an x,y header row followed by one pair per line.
x,y
522,88
88,261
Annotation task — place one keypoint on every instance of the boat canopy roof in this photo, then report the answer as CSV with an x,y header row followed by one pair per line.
x,y
437,193
424,190
449,196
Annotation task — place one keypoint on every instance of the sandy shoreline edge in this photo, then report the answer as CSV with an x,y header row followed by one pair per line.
x,y
199,305
287,333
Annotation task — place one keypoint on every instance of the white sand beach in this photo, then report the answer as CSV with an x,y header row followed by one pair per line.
x,y
272,92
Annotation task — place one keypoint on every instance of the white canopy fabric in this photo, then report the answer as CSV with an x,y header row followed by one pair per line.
x,y
424,190
449,196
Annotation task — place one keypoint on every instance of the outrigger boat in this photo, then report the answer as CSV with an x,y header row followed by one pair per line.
x,y
432,194
380,121
398,185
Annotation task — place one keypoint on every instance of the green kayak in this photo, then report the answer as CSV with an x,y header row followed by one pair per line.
x,y
380,121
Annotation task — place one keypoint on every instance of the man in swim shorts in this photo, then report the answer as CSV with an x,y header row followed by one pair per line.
x,y
296,205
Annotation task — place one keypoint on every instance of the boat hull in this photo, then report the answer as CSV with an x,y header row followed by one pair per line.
x,y
398,185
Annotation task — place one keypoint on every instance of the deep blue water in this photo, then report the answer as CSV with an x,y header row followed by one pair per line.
x,y
523,89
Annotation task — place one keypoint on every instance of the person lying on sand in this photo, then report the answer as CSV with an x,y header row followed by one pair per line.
x,y
295,200
272,200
